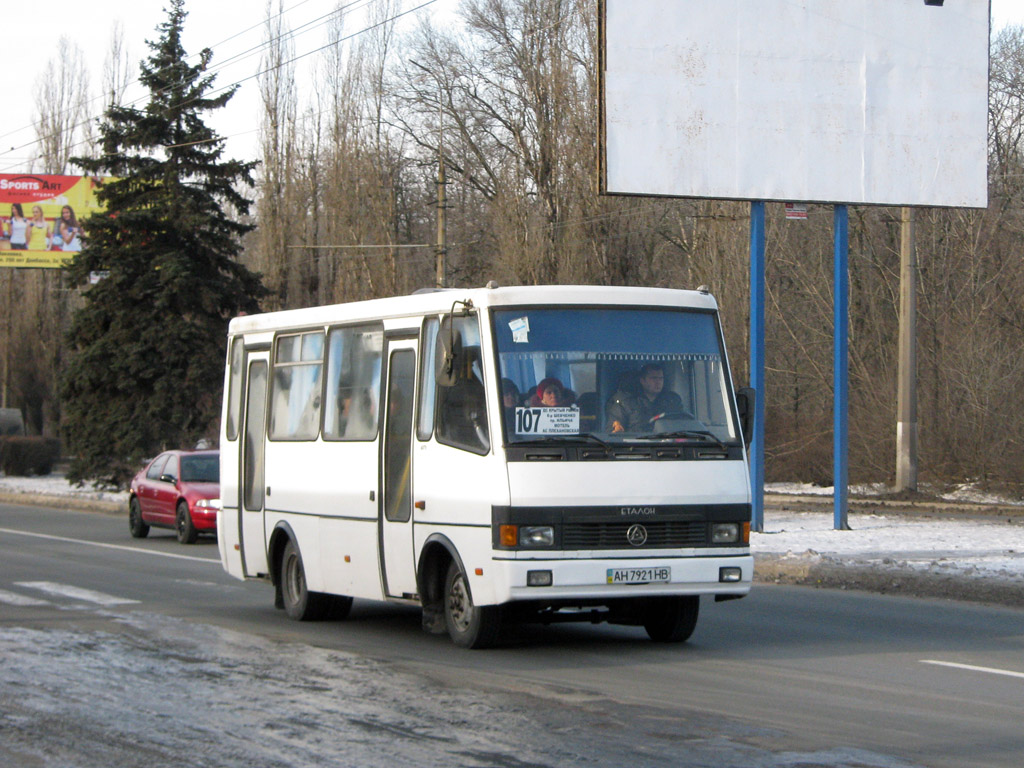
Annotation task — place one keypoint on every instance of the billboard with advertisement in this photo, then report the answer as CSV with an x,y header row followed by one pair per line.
x,y
41,217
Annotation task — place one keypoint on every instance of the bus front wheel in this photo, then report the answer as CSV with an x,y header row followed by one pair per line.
x,y
299,603
671,619
469,626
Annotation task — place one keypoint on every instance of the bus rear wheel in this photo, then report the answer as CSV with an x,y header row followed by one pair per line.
x,y
469,626
671,619
299,603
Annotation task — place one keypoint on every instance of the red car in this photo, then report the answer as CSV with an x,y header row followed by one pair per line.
x,y
179,490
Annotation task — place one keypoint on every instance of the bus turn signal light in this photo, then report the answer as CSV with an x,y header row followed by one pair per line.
x,y
509,535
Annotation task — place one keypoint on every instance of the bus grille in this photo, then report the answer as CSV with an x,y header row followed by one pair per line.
x,y
671,534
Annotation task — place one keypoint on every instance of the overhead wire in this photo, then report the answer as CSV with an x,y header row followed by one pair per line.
x,y
304,28
316,23
190,57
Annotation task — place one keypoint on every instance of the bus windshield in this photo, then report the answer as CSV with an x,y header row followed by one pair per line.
x,y
620,375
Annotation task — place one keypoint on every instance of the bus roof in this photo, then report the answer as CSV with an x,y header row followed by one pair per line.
x,y
441,300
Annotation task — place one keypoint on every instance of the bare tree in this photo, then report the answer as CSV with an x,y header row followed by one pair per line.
x,y
509,102
61,102
277,138
117,68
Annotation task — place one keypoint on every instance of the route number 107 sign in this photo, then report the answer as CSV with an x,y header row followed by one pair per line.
x,y
547,421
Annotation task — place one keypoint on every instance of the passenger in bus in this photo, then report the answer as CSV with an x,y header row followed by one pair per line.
x,y
510,398
356,416
462,419
635,409
551,394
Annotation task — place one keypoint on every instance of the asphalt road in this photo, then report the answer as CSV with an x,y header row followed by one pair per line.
x,y
790,676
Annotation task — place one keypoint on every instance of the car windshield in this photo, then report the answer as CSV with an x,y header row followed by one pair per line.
x,y
621,375
200,469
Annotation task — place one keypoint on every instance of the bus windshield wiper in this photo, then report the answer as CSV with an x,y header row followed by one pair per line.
x,y
582,436
701,434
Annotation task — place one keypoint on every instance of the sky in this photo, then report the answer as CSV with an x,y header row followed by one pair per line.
x,y
232,28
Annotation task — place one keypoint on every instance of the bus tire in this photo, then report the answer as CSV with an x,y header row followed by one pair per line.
x,y
469,626
671,619
299,603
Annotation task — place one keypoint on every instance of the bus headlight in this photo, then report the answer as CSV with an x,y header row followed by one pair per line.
x,y
725,533
536,536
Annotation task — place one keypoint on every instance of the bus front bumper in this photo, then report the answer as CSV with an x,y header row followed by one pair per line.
x,y
611,578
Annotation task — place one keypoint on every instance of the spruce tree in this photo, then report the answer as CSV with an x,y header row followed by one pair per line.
x,y
146,351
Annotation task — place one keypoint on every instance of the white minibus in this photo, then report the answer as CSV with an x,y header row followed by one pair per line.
x,y
492,455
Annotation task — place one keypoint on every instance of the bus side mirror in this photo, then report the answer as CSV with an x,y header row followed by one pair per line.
x,y
446,367
746,398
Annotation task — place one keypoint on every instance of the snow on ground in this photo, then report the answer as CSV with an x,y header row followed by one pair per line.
x,y
57,485
987,547
991,548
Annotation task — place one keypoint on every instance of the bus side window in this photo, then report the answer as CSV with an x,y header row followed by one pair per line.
x,y
295,404
237,367
462,407
428,385
353,382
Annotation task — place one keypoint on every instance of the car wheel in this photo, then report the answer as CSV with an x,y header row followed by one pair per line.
x,y
187,533
469,626
136,526
671,619
299,603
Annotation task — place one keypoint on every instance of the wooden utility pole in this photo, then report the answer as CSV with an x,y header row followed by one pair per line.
x,y
5,385
906,424
442,222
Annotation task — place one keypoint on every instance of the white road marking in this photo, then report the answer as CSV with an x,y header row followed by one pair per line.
x,y
137,550
972,668
13,598
75,593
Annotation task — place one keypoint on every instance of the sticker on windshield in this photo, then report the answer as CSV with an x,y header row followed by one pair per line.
x,y
520,330
548,421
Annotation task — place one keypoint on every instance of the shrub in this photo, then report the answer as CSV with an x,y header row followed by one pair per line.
x,y
28,455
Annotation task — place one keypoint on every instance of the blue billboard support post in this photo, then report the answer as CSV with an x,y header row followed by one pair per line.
x,y
840,364
757,246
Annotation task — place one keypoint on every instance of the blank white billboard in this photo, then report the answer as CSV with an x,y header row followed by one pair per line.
x,y
836,101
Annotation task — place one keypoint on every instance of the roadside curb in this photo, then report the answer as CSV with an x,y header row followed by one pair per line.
x,y
902,581
783,502
100,506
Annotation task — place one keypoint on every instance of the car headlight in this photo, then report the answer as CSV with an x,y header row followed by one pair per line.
x,y
725,533
207,505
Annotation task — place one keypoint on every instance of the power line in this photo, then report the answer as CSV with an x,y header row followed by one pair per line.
x,y
190,57
309,26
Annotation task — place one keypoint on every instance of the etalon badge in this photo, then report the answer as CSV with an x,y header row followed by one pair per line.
x,y
636,535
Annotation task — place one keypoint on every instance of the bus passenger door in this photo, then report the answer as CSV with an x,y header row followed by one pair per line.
x,y
396,540
251,531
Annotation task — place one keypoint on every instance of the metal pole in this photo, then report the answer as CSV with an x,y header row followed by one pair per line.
x,y
906,423
757,248
840,365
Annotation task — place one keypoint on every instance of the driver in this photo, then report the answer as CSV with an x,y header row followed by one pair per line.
x,y
634,411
